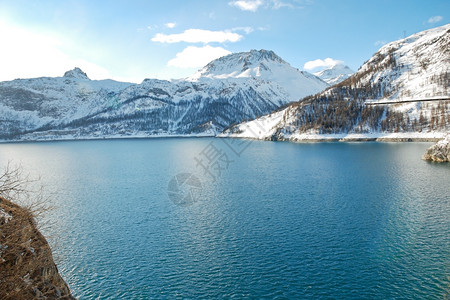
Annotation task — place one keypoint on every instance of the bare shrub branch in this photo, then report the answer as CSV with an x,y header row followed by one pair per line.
x,y
24,190
27,269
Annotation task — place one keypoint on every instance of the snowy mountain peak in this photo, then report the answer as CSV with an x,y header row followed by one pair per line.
x,y
335,74
76,73
264,69
240,65
261,55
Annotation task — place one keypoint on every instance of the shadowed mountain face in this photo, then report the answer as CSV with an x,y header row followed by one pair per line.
x,y
228,90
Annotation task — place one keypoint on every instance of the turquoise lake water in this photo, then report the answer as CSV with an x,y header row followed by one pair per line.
x,y
216,218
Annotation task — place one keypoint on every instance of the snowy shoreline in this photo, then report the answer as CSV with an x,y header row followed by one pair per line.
x,y
296,138
378,137
105,138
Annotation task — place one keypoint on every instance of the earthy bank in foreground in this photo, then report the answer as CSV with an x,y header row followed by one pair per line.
x,y
27,269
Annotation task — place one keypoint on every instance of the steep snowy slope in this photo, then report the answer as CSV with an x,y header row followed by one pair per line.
x,y
260,67
334,74
414,68
229,90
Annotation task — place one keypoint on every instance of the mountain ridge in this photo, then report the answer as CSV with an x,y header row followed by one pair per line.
x,y
76,73
334,74
73,106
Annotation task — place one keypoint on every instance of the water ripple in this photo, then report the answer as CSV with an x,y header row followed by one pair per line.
x,y
287,221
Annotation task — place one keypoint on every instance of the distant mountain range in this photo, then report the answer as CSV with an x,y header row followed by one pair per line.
x,y
378,101
231,89
288,104
334,74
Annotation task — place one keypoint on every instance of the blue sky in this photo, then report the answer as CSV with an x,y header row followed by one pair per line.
x,y
136,39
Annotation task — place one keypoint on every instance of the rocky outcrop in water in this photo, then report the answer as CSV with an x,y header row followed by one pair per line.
x,y
439,152
27,269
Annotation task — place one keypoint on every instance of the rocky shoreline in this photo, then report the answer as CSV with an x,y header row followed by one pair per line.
x,y
303,138
384,140
313,137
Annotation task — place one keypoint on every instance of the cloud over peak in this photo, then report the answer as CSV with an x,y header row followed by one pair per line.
x,y
248,5
195,57
198,36
322,63
254,5
435,19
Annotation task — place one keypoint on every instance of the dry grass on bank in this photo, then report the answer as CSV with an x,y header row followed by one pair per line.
x,y
27,269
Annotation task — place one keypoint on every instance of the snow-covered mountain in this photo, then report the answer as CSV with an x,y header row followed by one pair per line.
x,y
229,90
401,72
262,66
27,105
76,73
334,74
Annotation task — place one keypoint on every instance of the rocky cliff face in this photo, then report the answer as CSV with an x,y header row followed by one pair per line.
x,y
27,269
439,152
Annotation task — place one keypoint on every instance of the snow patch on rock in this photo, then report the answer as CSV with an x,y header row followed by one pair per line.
x,y
76,73
440,152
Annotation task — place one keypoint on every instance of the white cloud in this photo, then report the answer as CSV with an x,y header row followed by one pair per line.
x,y
26,54
277,4
248,5
380,43
198,36
435,19
247,29
264,28
254,5
171,25
319,63
195,57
